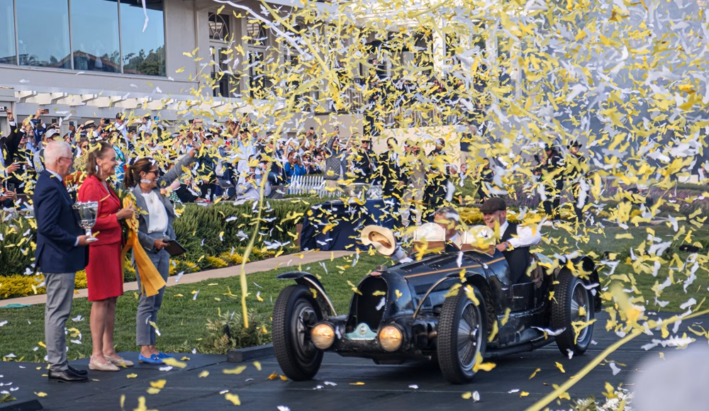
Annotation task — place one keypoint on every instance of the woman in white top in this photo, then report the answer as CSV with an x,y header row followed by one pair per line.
x,y
155,225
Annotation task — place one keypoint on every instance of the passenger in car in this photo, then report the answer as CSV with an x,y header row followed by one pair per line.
x,y
444,231
514,239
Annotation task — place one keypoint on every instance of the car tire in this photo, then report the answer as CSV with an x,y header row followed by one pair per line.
x,y
569,296
294,315
461,319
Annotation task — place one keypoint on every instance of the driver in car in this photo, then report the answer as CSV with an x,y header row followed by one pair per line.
x,y
448,219
514,239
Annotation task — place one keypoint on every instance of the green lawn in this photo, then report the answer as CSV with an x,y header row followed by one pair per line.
x,y
183,319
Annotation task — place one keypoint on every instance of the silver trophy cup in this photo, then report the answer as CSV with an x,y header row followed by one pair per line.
x,y
87,215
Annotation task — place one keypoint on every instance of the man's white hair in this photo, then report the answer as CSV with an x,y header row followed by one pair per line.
x,y
54,150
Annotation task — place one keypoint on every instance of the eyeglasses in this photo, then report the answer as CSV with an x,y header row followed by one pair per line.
x,y
67,158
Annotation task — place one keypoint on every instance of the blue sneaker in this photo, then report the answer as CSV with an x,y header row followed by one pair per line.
x,y
154,359
162,355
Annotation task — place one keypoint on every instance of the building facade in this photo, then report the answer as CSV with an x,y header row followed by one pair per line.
x,y
89,59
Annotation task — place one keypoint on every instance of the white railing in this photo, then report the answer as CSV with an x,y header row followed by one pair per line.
x,y
315,185
309,185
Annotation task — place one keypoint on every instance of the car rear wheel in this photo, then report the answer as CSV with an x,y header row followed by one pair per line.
x,y
294,316
572,304
461,336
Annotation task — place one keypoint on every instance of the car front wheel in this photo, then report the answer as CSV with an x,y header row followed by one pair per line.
x,y
294,316
461,336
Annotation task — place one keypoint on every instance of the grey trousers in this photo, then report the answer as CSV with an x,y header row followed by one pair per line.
x,y
148,306
60,292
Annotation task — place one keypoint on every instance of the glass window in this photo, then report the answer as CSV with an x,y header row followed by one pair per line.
x,y
256,34
94,35
43,33
143,52
7,33
218,27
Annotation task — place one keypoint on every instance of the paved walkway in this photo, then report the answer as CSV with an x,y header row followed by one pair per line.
x,y
304,257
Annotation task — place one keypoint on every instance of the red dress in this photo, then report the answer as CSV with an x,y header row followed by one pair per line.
x,y
104,276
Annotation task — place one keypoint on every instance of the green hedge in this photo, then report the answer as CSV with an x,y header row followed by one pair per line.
x,y
197,229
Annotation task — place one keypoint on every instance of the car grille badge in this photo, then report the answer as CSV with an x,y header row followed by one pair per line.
x,y
361,332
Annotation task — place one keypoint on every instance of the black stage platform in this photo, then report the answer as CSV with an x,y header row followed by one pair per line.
x,y
386,387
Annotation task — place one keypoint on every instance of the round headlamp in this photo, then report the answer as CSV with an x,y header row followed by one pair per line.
x,y
323,335
390,338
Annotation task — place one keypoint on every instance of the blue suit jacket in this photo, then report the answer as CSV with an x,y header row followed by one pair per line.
x,y
57,228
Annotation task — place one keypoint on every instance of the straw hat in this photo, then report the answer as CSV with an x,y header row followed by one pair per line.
x,y
381,238
430,234
478,238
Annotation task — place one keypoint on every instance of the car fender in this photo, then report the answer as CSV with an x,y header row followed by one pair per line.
x,y
312,282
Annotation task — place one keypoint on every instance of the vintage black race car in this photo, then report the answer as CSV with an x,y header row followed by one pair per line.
x,y
402,312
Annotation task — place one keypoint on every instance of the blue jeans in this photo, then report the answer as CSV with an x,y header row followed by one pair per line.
x,y
148,307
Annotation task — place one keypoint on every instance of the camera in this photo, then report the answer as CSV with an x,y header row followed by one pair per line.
x,y
3,109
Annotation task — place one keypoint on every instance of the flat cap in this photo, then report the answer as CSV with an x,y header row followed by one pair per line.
x,y
493,204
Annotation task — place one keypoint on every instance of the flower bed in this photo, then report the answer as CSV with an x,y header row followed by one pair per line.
x,y
214,236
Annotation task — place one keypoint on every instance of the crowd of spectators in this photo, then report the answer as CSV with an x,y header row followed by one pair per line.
x,y
233,159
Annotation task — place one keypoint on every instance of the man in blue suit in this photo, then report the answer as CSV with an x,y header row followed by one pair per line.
x,y
61,252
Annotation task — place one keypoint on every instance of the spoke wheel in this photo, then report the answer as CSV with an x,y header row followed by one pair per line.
x,y
294,316
573,304
461,336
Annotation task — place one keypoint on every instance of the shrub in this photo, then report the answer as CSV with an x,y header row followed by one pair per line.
x,y
227,332
214,262
16,259
13,286
233,259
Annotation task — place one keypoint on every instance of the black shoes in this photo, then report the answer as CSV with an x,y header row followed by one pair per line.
x,y
78,372
66,376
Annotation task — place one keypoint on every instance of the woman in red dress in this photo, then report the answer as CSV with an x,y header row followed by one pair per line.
x,y
104,275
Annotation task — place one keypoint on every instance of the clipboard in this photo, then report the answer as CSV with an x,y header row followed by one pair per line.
x,y
174,248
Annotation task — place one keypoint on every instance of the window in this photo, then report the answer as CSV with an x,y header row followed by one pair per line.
x,y
43,33
7,33
257,34
218,27
225,84
258,81
94,35
143,51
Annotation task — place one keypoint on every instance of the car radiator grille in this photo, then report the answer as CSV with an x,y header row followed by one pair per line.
x,y
364,307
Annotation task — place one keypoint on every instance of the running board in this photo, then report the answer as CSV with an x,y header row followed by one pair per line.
x,y
525,347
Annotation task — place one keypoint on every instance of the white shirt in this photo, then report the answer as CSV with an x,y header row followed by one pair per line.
x,y
157,215
526,236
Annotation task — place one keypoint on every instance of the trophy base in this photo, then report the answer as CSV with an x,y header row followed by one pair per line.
x,y
91,240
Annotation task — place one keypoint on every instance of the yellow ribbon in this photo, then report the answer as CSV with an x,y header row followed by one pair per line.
x,y
150,279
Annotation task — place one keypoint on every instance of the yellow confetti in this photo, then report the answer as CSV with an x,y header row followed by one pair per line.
x,y
233,398
257,365
40,394
131,375
158,383
203,374
357,383
534,373
173,362
560,367
237,370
